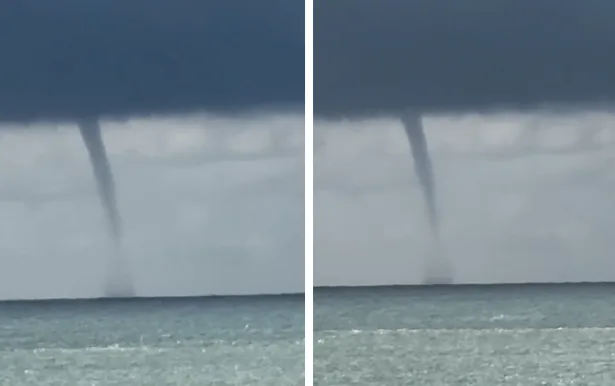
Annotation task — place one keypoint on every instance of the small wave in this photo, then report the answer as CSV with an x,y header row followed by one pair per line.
x,y
112,348
461,330
501,318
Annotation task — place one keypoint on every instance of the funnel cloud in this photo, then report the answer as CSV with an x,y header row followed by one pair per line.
x,y
422,164
118,280
437,267
92,137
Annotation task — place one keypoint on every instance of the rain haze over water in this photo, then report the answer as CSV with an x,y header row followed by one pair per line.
x,y
211,205
523,197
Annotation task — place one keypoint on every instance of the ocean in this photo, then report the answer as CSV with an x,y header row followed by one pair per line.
x,y
558,334
245,340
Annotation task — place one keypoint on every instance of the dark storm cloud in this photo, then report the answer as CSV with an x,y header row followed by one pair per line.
x,y
72,58
384,56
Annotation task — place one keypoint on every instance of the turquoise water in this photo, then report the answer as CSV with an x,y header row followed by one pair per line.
x,y
466,335
184,341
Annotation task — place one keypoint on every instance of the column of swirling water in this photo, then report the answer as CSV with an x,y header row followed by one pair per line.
x,y
438,269
119,281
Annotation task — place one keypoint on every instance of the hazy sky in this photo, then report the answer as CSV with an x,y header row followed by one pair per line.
x,y
514,206
210,206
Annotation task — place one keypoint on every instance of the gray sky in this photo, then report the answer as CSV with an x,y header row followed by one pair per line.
x,y
72,58
213,206
381,57
514,207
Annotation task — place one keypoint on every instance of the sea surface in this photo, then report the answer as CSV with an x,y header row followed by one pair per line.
x,y
251,340
521,335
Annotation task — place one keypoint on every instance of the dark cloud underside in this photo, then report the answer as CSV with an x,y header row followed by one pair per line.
x,y
383,56
69,58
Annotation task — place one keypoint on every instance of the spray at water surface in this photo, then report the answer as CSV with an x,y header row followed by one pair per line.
x,y
119,283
